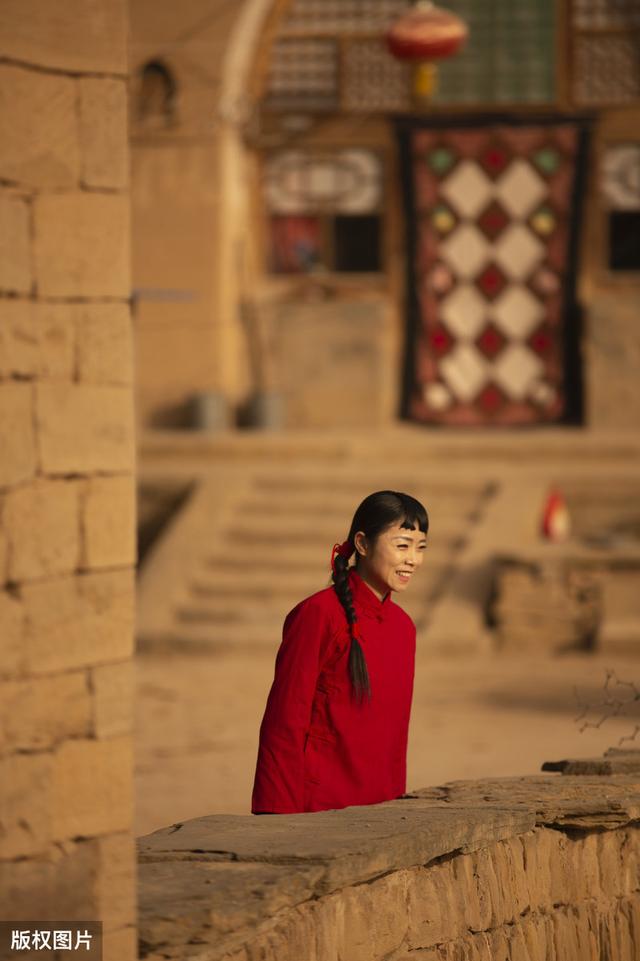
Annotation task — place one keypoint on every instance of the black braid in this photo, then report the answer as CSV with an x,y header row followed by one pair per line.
x,y
360,684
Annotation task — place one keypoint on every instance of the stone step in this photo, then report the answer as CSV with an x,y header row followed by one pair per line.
x,y
341,485
263,586
216,613
219,607
283,558
260,636
336,488
195,638
296,535
454,512
256,584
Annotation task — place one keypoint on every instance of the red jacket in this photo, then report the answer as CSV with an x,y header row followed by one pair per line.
x,y
318,749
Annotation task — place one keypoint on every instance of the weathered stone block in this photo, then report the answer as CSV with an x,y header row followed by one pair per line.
x,y
25,815
373,918
426,922
80,36
516,875
109,522
565,934
103,132
17,435
38,127
12,632
537,848
584,879
79,621
626,944
41,521
473,947
113,691
82,428
18,338
450,898
327,917
630,860
552,858
37,713
517,943
479,947
55,331
464,881
612,876
489,891
633,909
60,883
82,245
121,945
584,918
499,945
105,344
534,930
116,881
16,272
91,787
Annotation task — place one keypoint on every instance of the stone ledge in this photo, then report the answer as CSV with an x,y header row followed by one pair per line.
x,y
219,879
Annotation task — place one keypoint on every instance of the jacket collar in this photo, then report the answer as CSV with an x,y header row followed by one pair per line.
x,y
364,597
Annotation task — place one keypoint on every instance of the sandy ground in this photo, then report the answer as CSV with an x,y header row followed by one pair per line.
x,y
198,719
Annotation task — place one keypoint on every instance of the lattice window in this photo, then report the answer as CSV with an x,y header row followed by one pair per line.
x,y
341,16
372,80
303,74
606,14
509,57
606,51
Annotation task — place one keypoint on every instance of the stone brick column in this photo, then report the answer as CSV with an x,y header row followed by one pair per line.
x,y
67,499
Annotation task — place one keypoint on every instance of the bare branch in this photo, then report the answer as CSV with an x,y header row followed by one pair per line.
x,y
610,705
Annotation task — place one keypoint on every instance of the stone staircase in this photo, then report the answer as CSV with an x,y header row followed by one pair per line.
x,y
248,564
255,535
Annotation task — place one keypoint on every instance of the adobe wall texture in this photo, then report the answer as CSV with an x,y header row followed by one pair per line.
x,y
67,500
543,868
187,336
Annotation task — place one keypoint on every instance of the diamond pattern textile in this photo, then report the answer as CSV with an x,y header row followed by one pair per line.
x,y
492,209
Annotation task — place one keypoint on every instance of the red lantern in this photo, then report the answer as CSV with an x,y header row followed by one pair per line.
x,y
426,32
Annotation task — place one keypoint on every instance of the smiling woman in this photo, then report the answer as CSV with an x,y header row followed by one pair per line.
x,y
335,728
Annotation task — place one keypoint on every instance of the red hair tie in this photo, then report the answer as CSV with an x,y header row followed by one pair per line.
x,y
344,550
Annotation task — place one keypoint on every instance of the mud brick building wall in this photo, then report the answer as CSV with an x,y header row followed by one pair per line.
x,y
67,506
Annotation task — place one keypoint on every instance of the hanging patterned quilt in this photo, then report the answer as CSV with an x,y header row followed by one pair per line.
x,y
493,212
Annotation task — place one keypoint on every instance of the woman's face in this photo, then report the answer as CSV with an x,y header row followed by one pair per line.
x,y
392,560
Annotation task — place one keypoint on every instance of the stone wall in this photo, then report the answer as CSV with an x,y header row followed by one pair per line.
x,y
67,502
543,868
612,352
188,339
330,361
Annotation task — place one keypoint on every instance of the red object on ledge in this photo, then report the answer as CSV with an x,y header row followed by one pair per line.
x,y
555,523
426,32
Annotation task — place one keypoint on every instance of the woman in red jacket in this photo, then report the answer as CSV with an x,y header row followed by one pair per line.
x,y
334,731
